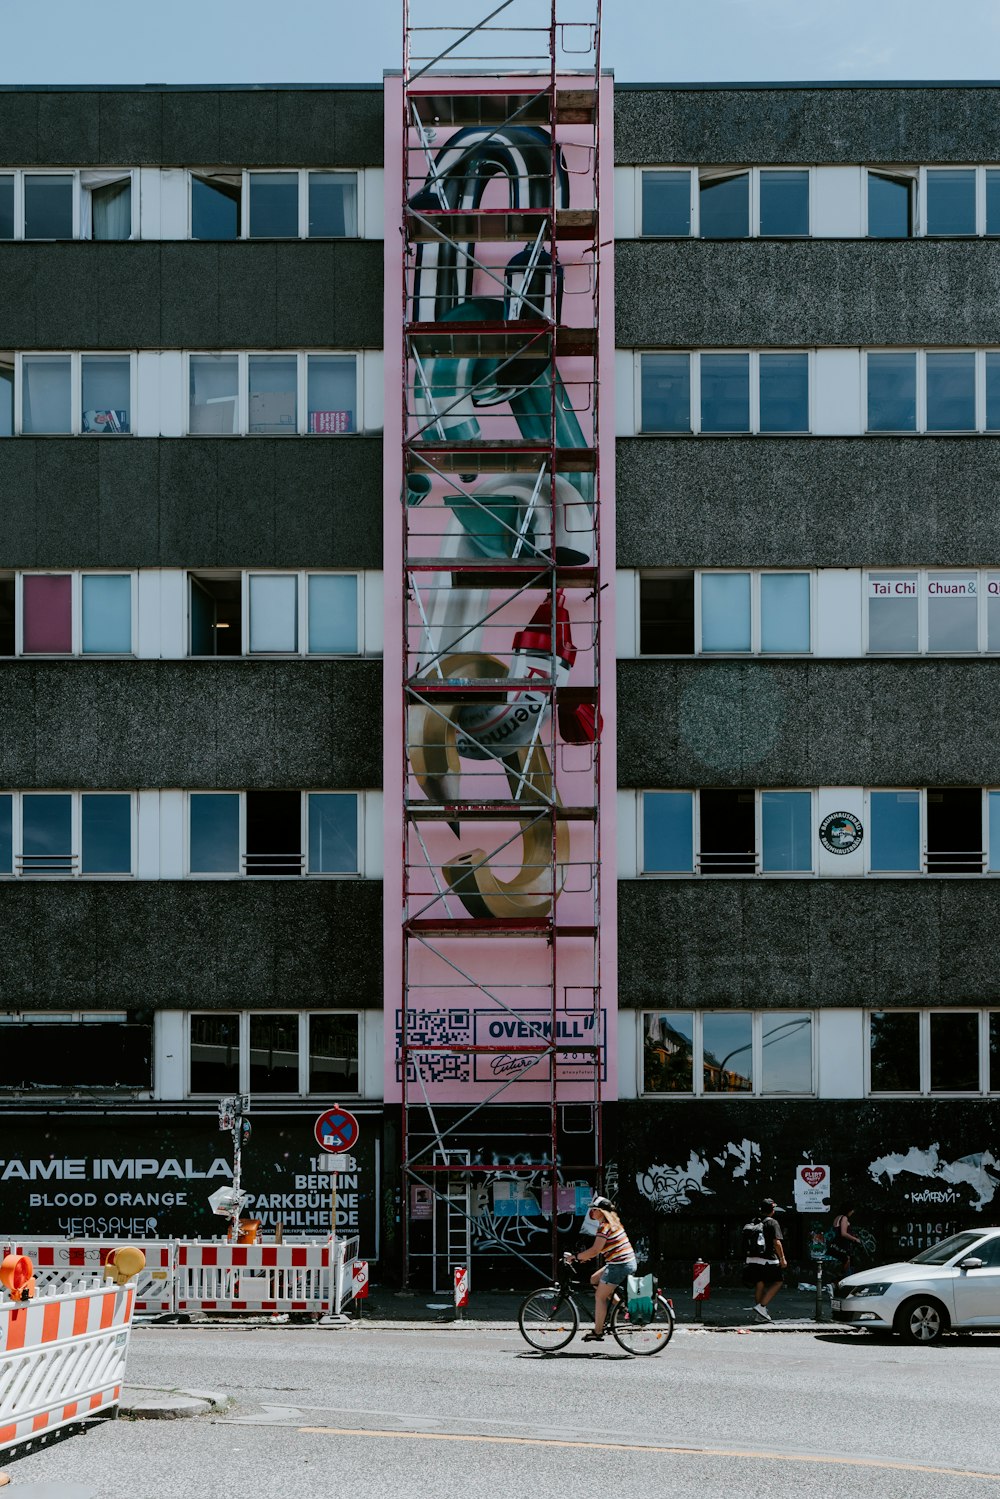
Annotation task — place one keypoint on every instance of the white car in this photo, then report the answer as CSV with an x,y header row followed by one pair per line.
x,y
952,1287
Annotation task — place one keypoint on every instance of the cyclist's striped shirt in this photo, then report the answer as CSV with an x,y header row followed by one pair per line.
x,y
617,1248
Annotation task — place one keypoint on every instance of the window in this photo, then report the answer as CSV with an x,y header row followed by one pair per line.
x,y
786,832
73,393
274,205
332,392
892,613
725,612
107,400
263,394
48,205
666,204
69,613
666,392
992,202
274,611
333,205
727,832
993,1052
666,614
786,1053
6,205
724,206
214,383
890,206
784,204
784,392
668,1052
952,612
260,833
760,612
106,601
46,393
954,1048
88,204
287,1053
332,623
992,363
290,204
106,205
951,201
955,830
951,392
724,1052
48,614
6,395
724,392
667,832
784,612
8,612
892,392
287,613
76,1050
936,612
894,1051
216,205
894,824
216,615
66,833
928,1051
727,1052
273,394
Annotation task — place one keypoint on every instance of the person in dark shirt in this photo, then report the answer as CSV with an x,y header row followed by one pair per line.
x,y
764,1258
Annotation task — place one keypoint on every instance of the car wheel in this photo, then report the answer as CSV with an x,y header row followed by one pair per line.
x,y
921,1320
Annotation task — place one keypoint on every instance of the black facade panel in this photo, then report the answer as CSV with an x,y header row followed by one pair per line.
x,y
774,943
167,944
192,724
808,502
800,293
329,293
325,127
732,126
860,722
67,313
191,502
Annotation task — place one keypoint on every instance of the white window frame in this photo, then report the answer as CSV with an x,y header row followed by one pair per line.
x,y
302,577
916,210
756,611
76,872
304,1017
640,838
696,872
301,175
304,871
924,1013
695,175
76,389
896,874
302,357
923,576
698,1052
76,611
695,356
979,231
19,174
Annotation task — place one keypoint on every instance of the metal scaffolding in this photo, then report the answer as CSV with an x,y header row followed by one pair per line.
x,y
501,623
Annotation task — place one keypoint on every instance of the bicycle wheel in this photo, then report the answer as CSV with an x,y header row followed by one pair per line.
x,y
548,1319
642,1338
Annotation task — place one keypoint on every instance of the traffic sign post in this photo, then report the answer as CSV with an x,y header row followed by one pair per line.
x,y
461,1289
701,1286
336,1132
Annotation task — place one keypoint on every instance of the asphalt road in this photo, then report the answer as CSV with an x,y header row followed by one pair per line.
x,y
322,1414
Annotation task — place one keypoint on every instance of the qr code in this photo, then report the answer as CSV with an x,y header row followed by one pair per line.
x,y
436,1028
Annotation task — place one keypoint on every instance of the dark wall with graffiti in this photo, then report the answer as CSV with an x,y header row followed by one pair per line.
x,y
688,1175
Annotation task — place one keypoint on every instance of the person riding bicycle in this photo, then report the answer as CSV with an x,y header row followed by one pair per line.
x,y
613,1243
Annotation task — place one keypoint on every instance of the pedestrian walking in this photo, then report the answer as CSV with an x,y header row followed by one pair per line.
x,y
764,1258
843,1239
620,1262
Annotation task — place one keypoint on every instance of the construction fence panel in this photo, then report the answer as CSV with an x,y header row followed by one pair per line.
x,y
345,1252
58,1261
211,1276
62,1358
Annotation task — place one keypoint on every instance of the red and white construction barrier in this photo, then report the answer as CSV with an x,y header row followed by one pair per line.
x,y
214,1277
461,1287
701,1283
60,1262
344,1263
62,1358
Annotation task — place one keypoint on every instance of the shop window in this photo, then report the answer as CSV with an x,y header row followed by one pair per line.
x,y
954,830
215,1054
786,832
784,612
71,1053
332,386
274,402
668,1053
951,392
216,615
274,205
47,833
951,201
46,394
784,204
894,1051
106,612
667,832
665,392
333,1053
725,392
952,612
724,206
994,1049
725,612
954,1051
6,833
786,1053
7,205
728,834
666,204
332,613
274,1053
6,395
48,613
784,392
666,615
273,833
106,822
48,206
106,387
214,394
993,202
214,832
274,613
893,613
727,1052
890,206
333,205
892,392
333,832
216,205
895,831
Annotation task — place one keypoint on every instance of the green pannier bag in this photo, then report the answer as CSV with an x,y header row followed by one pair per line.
x,y
640,1298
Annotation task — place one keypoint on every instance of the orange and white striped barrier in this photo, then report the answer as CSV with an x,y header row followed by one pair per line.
x,y
62,1262
218,1277
62,1358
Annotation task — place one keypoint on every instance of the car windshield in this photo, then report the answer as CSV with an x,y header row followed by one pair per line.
x,y
940,1254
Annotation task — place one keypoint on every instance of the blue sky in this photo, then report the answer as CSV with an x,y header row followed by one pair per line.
x,y
255,41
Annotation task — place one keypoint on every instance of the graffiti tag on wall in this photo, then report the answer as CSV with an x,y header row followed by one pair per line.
x,y
978,1173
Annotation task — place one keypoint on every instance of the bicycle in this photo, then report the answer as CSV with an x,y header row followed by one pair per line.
x,y
549,1319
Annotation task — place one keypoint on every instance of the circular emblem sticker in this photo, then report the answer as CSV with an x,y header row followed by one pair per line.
x,y
841,833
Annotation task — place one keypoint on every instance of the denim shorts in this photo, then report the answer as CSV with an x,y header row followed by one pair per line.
x,y
616,1275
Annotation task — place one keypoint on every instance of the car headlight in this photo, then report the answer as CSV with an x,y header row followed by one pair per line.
x,y
877,1288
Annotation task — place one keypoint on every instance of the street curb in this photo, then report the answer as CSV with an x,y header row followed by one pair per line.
x,y
681,1327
